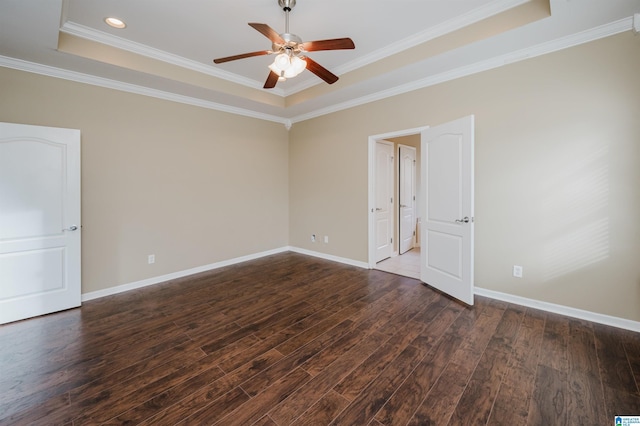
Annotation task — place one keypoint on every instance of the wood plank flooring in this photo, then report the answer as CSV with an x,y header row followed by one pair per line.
x,y
291,339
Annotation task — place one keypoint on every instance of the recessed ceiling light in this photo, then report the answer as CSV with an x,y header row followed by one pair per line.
x,y
115,22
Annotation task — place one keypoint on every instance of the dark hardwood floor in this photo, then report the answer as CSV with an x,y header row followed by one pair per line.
x,y
291,339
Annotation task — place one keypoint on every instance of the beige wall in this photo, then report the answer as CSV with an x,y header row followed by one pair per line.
x,y
557,173
191,185
557,176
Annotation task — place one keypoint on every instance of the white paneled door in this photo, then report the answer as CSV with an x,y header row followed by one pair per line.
x,y
384,199
39,220
448,229
407,165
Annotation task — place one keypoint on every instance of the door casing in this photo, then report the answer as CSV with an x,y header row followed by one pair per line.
x,y
372,149
422,209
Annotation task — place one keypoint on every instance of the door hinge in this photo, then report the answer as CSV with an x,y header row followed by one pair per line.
x,y
414,233
391,200
414,198
392,241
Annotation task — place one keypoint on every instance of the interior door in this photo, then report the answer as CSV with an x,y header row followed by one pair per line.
x,y
447,231
384,200
407,196
39,220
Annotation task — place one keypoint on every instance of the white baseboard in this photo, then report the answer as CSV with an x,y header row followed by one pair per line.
x,y
531,303
325,256
561,309
156,280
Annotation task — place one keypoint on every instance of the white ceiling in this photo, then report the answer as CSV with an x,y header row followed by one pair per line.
x,y
190,33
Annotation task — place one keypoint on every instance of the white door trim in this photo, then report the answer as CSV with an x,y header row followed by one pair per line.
x,y
371,176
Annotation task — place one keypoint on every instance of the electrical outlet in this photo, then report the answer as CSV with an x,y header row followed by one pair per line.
x,y
151,259
326,239
517,271
313,238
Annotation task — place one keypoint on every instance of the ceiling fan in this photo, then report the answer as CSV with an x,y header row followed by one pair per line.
x,y
290,51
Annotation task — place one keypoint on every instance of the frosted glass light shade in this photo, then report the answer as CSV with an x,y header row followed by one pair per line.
x,y
287,66
282,61
298,64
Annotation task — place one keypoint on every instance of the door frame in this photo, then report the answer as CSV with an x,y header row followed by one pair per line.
x,y
371,200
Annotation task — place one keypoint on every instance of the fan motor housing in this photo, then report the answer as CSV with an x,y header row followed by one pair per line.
x,y
287,4
292,42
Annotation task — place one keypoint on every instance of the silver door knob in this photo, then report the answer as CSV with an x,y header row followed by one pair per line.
x,y
403,205
378,209
71,228
463,220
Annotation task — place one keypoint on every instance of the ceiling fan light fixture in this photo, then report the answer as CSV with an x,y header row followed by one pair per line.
x,y
287,66
273,67
290,72
298,64
282,61
290,51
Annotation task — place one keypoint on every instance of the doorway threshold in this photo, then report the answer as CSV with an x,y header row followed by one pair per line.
x,y
407,264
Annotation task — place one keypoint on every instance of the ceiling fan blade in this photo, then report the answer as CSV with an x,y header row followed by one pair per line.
x,y
332,44
242,56
268,32
272,79
320,71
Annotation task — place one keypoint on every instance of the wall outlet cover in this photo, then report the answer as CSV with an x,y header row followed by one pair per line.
x,y
517,271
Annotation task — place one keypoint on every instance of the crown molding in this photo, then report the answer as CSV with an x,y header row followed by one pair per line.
x,y
49,71
444,28
439,30
586,36
82,31
451,25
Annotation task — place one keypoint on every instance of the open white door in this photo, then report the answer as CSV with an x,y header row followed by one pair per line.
x,y
447,224
407,197
384,200
39,220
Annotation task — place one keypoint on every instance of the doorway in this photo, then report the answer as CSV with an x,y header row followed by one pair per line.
x,y
446,199
404,256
